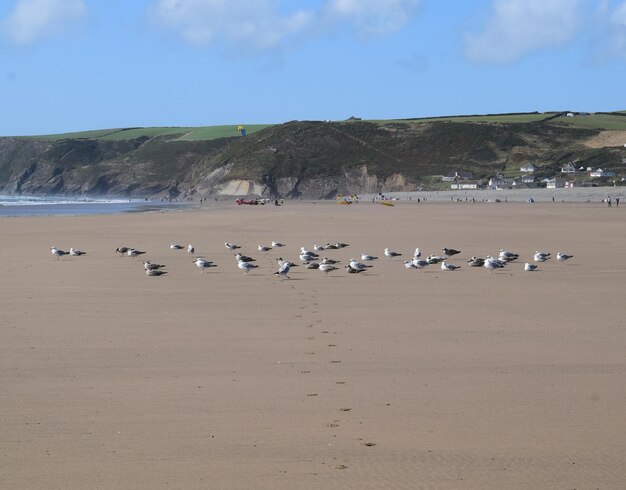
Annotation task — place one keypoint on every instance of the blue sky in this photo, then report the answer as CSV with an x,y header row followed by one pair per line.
x,y
72,65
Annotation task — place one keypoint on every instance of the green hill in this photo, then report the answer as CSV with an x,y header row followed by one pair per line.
x,y
308,158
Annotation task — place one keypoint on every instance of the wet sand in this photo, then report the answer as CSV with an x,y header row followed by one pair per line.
x,y
390,379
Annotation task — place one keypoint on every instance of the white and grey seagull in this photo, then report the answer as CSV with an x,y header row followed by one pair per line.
x,y
76,253
57,252
246,266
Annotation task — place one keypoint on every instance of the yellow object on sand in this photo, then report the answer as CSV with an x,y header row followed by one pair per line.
x,y
386,203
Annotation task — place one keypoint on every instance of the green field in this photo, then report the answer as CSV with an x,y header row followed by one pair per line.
x,y
613,121
181,133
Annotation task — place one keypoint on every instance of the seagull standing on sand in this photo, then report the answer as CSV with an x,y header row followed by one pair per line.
x,y
122,250
203,264
283,270
76,253
231,246
277,244
530,267
449,267
449,252
358,266
417,253
491,264
147,265
155,272
390,253
304,251
476,262
264,248
318,248
368,257
246,266
507,256
244,258
133,252
541,256
176,246
190,249
561,257
409,264
419,263
57,252
326,268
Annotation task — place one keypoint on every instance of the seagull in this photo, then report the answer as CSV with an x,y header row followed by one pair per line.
x,y
476,262
277,244
57,252
341,245
318,248
359,266
243,258
147,265
419,263
203,264
326,260
450,251
561,257
155,272
122,250
449,267
541,256
312,265
417,253
307,257
304,251
368,257
176,246
351,270
283,270
390,253
330,246
530,267
132,252
326,268
76,253
231,246
491,264
435,259
409,264
246,266
281,262
507,256
190,249
264,248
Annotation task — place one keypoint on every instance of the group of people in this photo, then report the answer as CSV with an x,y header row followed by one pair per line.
x,y
609,202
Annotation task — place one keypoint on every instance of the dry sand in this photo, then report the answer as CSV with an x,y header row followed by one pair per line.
x,y
391,379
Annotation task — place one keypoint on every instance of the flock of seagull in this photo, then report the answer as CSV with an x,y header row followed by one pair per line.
x,y
310,259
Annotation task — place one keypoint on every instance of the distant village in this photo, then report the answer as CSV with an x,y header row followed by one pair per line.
x,y
570,176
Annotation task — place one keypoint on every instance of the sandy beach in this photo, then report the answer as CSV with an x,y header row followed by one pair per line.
x,y
393,378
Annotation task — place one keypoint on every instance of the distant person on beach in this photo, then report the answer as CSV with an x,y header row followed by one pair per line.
x,y
617,202
608,201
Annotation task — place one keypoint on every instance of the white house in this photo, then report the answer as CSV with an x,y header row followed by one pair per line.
x,y
528,179
467,184
569,168
555,184
602,173
527,168
456,176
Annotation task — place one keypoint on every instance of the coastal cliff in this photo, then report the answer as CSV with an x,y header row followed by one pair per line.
x,y
299,159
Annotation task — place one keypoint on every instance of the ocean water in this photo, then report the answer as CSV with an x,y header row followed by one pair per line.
x,y
56,206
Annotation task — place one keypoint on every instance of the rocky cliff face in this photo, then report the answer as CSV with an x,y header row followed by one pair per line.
x,y
298,159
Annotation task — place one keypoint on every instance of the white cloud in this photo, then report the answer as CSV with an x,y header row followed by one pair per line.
x,y
263,24
372,17
32,20
519,27
257,24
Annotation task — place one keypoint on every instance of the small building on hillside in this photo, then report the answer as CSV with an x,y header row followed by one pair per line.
x,y
528,179
466,185
555,183
568,168
527,168
602,173
456,176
